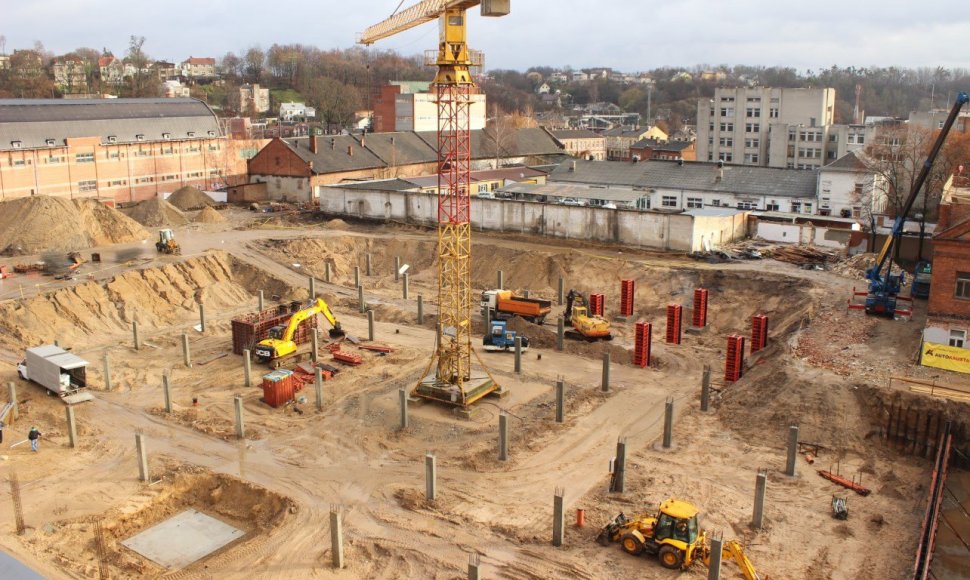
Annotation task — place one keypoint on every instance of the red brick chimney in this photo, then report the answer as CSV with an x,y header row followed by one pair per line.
x,y
313,144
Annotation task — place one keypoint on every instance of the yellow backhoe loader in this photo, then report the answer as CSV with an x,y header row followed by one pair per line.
x,y
673,536
280,343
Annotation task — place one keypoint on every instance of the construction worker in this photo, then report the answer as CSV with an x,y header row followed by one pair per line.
x,y
34,436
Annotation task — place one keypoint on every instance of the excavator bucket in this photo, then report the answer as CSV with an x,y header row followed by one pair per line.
x,y
337,333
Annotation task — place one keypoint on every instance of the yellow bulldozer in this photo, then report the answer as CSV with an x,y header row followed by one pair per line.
x,y
584,325
672,534
280,343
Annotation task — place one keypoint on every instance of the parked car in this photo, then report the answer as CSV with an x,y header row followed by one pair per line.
x,y
572,201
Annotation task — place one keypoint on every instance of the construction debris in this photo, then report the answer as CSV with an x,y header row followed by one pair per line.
x,y
846,483
840,510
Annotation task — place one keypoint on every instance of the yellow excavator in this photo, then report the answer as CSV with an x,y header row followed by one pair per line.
x,y
584,326
672,534
280,343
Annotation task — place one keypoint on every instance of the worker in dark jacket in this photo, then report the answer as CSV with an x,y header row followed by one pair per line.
x,y
34,437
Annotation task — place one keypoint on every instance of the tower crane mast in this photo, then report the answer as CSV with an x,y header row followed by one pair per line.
x,y
451,379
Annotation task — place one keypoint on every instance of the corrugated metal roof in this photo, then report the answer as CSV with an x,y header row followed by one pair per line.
x,y
522,143
332,154
575,191
400,148
33,121
691,176
380,185
575,134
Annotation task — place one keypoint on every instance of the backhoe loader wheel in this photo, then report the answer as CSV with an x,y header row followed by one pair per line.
x,y
671,557
631,544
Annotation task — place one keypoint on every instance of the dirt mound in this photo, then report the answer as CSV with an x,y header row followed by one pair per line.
x,y
209,216
156,297
189,198
156,213
29,225
336,224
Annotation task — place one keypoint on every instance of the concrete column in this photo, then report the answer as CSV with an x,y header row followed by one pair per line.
x,y
714,568
404,289
134,334
167,394
562,290
668,423
247,368
202,318
318,387
71,427
560,334
403,394
336,539
186,351
12,398
619,467
760,484
367,267
501,280
313,288
558,517
430,477
237,403
261,305
370,325
792,450
327,272
397,268
142,457
474,562
560,400
706,389
106,369
518,354
503,437
606,372
360,299
420,309
356,275
315,344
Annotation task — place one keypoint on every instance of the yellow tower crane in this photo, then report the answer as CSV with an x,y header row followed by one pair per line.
x,y
452,379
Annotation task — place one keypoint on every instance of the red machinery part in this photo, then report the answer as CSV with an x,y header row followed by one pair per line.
x,y
627,290
675,314
641,351
699,318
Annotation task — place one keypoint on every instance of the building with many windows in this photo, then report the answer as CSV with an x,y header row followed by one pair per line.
x,y
411,106
114,149
766,127
582,143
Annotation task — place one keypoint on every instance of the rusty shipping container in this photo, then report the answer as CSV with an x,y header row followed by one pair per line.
x,y
249,329
278,388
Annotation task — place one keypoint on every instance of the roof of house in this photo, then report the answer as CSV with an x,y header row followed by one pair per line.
x,y
674,146
850,162
334,153
399,148
33,121
958,232
201,60
521,143
694,176
412,86
106,60
626,131
575,134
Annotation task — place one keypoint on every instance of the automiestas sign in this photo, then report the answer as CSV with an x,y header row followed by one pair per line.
x,y
951,358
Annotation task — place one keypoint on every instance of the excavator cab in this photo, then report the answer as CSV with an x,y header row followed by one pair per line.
x,y
277,332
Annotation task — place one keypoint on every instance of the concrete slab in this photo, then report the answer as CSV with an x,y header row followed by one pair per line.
x,y
183,539
13,569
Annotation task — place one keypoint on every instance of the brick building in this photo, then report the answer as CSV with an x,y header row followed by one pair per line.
x,y
411,106
666,150
114,149
582,143
945,338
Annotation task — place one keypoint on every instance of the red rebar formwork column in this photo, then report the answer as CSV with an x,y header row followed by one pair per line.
x,y
626,297
734,361
699,318
759,332
641,351
675,314
596,304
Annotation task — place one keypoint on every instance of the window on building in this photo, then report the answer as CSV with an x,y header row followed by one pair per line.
x,y
727,127
772,206
726,156
18,162
669,201
117,183
773,112
958,338
754,99
84,158
146,179
807,208
55,159
747,205
727,142
169,177
90,185
193,175
791,135
833,138
727,111
716,202
857,211
727,99
482,187
752,128
825,202
963,285
695,202
796,207
710,155
752,143
753,112
213,146
215,172
751,158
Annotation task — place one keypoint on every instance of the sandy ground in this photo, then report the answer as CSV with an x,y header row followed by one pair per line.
x,y
295,464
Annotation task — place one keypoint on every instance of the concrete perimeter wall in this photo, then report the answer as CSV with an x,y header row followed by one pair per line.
x,y
628,227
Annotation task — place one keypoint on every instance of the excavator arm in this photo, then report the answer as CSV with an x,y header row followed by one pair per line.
x,y
319,307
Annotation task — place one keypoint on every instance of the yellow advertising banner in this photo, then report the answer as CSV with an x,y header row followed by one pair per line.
x,y
951,358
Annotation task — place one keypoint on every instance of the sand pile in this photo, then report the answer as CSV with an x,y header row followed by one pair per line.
x,y
189,198
209,216
156,213
29,225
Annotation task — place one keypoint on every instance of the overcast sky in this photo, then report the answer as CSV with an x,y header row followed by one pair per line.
x,y
629,35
